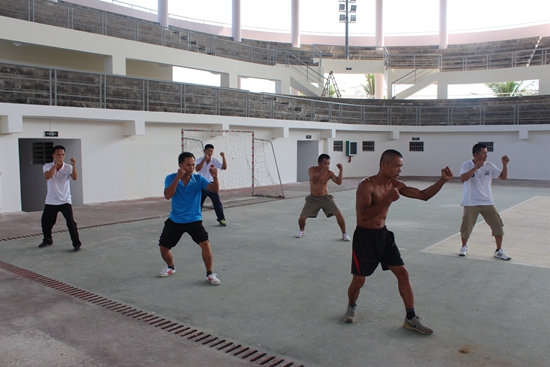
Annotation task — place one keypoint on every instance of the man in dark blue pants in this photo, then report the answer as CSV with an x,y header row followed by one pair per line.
x,y
203,168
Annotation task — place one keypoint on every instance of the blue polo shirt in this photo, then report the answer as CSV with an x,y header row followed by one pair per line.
x,y
186,202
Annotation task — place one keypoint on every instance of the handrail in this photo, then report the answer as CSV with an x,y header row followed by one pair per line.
x,y
57,87
161,35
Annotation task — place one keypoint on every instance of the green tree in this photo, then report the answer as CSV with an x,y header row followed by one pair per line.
x,y
367,89
511,89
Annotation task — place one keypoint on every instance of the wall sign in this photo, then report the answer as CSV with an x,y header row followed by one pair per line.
x,y
50,134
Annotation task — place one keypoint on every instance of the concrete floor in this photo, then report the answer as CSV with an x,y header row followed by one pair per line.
x,y
281,298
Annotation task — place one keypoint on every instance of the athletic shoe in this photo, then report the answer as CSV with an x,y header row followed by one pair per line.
x,y
499,254
463,251
167,271
416,324
349,316
76,249
213,279
222,223
44,244
300,234
346,237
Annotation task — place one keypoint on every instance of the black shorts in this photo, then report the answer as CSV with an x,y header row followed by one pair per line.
x,y
172,232
371,247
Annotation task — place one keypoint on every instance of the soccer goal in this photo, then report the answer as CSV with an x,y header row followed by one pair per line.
x,y
251,162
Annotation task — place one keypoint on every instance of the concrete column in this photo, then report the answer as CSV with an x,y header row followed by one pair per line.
x,y
295,33
163,12
379,86
379,26
228,80
443,34
544,83
115,65
442,90
236,25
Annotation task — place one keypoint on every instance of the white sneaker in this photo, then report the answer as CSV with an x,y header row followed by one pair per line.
x,y
463,251
499,254
167,271
300,234
213,279
346,237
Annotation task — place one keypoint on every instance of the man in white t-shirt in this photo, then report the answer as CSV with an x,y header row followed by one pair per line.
x,y
203,168
477,175
58,197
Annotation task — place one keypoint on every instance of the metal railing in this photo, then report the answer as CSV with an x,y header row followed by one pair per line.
x,y
56,87
73,17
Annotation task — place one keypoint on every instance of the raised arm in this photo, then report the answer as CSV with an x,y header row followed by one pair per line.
x,y
213,186
315,177
199,165
338,179
504,173
171,190
224,162
74,175
429,192
367,210
467,175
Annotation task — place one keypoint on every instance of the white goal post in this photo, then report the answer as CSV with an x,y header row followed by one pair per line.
x,y
251,161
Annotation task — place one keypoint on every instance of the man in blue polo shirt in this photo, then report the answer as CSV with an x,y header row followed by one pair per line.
x,y
185,189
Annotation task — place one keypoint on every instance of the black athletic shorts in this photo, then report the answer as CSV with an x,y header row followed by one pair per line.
x,y
172,232
371,247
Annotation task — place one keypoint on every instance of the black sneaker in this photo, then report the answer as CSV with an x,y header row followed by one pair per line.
x,y
76,249
44,244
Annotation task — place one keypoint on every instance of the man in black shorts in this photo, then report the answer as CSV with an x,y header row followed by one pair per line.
x,y
185,189
374,244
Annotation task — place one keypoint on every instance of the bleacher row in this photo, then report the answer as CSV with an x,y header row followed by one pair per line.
x,y
473,56
54,87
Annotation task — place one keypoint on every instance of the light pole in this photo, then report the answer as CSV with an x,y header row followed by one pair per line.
x,y
346,8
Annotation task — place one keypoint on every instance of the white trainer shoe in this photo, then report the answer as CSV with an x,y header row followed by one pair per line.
x,y
463,251
213,279
300,234
346,237
167,271
499,254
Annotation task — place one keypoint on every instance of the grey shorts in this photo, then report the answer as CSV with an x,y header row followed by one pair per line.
x,y
315,203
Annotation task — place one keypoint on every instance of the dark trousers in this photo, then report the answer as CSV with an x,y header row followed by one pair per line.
x,y
218,207
49,217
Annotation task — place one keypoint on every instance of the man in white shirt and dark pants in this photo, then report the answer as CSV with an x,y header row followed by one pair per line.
x,y
203,168
58,197
477,175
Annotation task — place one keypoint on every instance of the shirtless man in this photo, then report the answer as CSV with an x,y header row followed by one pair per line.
x,y
373,243
319,197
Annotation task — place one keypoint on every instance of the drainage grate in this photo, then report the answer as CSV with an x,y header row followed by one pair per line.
x,y
237,350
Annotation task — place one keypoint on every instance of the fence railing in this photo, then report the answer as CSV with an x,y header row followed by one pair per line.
x,y
73,17
56,87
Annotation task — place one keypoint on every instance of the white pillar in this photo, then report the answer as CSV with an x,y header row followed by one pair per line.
x,y
443,35
236,25
163,12
379,26
295,11
379,86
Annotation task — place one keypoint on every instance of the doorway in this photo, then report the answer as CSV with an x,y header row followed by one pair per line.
x,y
32,157
308,152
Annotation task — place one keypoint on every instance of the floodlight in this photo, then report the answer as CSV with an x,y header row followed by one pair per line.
x,y
342,18
352,8
342,7
352,19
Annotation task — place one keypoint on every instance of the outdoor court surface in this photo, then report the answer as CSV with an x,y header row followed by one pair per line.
x,y
281,299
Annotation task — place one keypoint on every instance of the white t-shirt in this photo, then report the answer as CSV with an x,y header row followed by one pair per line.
x,y
477,190
205,170
59,190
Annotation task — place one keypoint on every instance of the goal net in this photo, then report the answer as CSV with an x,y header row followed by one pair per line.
x,y
251,163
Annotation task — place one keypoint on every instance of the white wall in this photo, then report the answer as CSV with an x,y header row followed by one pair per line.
x,y
118,167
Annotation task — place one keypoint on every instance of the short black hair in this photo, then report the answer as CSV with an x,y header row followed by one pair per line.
x,y
389,154
323,157
208,146
57,147
477,148
184,155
